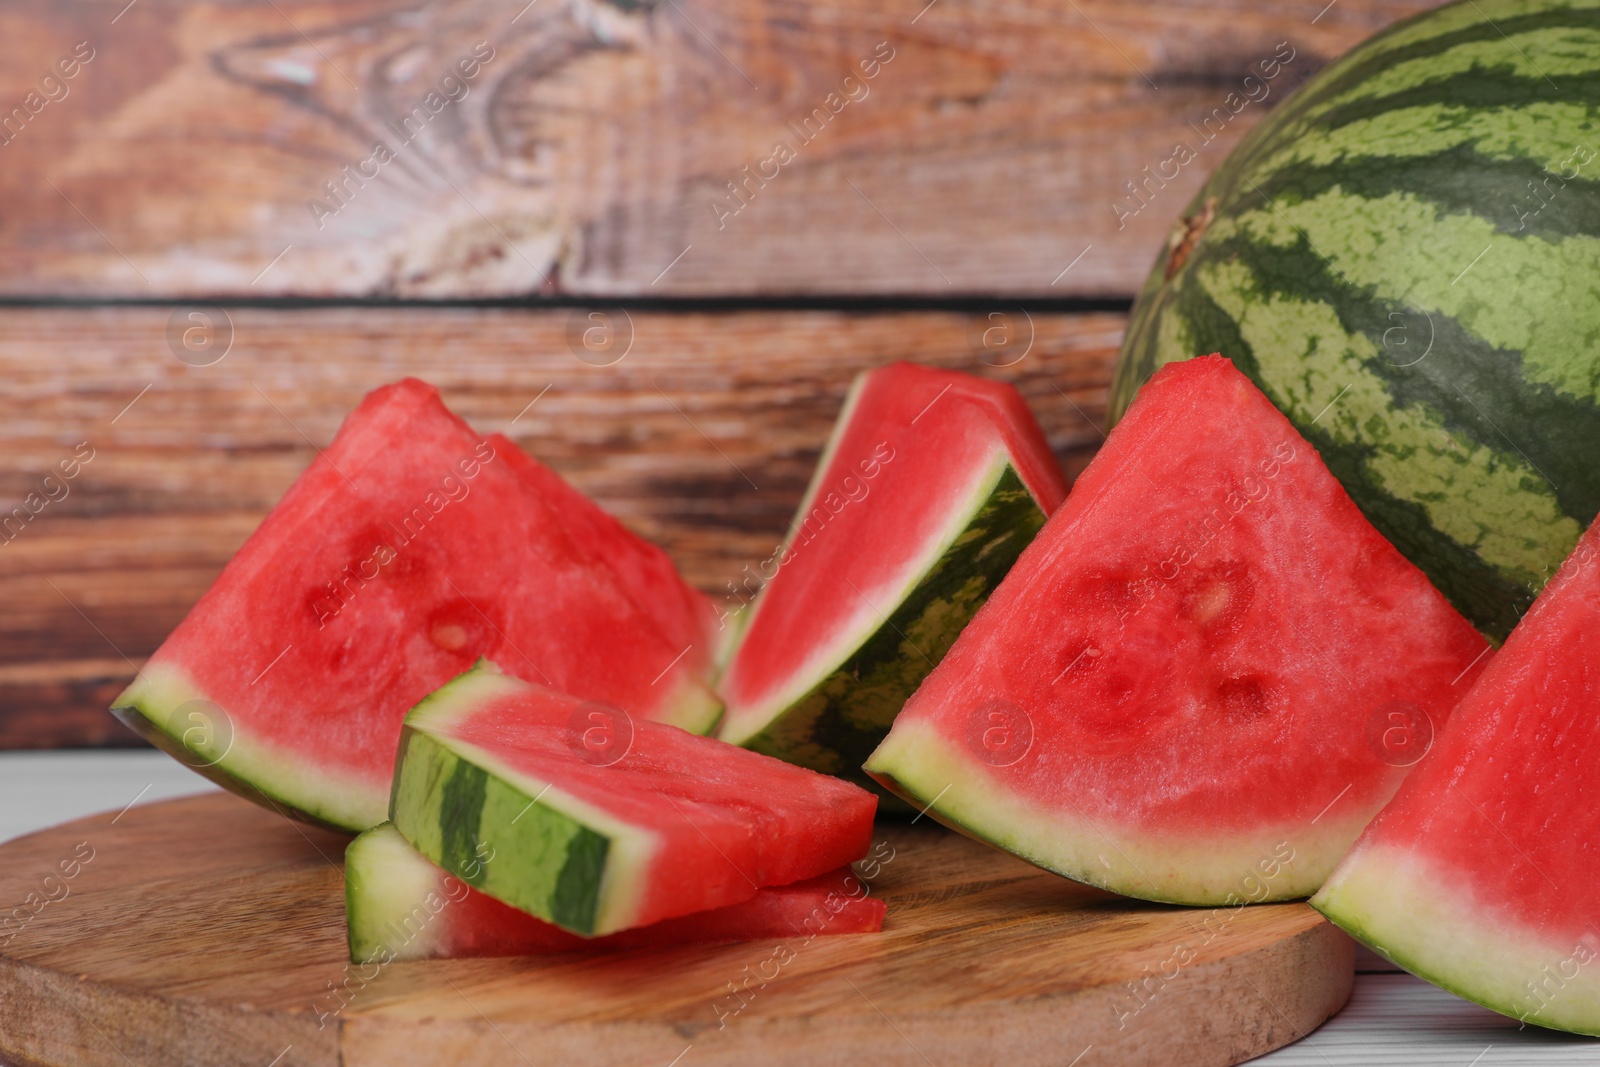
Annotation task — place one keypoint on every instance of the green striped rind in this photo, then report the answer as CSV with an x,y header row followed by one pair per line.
x,y
395,900
837,724
526,842
1375,264
154,708
465,819
1427,922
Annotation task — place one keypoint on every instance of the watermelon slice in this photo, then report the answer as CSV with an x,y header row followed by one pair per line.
x,y
401,907
1173,694
599,823
932,484
1483,874
407,550
685,615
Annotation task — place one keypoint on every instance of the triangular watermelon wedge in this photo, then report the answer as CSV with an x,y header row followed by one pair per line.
x,y
685,615
584,817
931,485
402,907
1483,874
407,550
1173,693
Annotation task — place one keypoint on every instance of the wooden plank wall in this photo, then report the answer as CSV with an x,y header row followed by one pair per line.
x,y
958,146
960,196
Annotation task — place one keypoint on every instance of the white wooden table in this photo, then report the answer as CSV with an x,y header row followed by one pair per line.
x,y
1391,1019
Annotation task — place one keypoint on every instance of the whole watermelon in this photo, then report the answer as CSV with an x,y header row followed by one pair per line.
x,y
1406,258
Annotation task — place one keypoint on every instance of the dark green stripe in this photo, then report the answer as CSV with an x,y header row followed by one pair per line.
x,y
1479,89
577,894
1294,118
1478,590
460,815
1478,92
1372,58
488,833
1474,388
1459,182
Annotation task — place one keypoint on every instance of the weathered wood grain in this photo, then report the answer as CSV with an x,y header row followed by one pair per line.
x,y
983,960
702,437
987,152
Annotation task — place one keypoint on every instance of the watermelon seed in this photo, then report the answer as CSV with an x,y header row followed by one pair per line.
x,y
1090,651
450,636
1211,601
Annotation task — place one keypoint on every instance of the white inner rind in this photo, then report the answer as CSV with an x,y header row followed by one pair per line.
x,y
632,850
337,796
1429,921
744,722
695,708
395,899
331,794
1285,861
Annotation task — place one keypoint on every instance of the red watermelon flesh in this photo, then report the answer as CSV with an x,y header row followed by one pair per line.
x,y
408,549
597,822
1483,873
1184,689
402,907
872,584
686,616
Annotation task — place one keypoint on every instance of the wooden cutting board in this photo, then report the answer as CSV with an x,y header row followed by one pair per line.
x,y
208,931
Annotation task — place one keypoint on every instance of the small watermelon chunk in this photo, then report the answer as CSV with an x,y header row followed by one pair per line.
x,y
598,823
1483,874
401,907
931,486
1173,693
407,550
